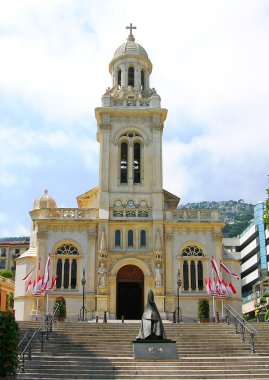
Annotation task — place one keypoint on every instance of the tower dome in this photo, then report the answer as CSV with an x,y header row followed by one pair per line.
x,y
130,47
45,201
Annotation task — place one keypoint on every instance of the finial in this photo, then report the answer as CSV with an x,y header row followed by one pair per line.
x,y
131,27
46,191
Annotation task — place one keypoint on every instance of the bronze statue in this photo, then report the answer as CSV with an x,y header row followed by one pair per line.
x,y
151,323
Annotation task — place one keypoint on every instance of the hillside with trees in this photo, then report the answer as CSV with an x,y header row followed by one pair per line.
x,y
236,214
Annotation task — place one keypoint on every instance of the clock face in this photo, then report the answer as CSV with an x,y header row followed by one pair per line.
x,y
130,203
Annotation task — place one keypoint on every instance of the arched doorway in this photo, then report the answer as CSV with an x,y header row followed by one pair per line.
x,y
130,292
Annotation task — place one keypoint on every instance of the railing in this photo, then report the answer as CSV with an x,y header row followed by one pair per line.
x,y
242,324
64,213
123,213
26,351
26,343
189,215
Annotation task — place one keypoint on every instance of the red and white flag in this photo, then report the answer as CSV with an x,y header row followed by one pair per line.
x,y
224,267
215,267
231,288
28,275
208,285
29,286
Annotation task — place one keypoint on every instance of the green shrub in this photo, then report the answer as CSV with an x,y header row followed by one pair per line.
x,y
59,308
266,317
203,309
9,341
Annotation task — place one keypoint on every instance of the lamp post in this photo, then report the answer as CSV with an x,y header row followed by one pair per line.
x,y
83,282
178,286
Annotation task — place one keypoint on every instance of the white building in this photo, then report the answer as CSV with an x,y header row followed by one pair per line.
x,y
127,232
252,246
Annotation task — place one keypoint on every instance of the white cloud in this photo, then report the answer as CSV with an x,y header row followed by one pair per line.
x,y
210,66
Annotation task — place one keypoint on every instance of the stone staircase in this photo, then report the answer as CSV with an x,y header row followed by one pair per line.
x,y
85,350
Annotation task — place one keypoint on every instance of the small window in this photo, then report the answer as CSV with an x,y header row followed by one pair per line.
x,y
59,274
66,273
142,238
142,80
193,276
130,238
117,238
131,76
200,275
185,275
136,163
119,78
74,274
124,163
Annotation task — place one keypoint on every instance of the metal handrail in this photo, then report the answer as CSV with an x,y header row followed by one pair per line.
x,y
27,350
244,325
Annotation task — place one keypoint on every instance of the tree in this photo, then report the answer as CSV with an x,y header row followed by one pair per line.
x,y
6,273
266,211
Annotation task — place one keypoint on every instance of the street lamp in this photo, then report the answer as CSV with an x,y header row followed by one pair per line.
x,y
83,282
178,286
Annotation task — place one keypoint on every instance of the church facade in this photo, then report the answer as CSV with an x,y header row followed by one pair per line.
x,y
126,234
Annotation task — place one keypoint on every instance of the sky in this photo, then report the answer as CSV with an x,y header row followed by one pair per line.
x,y
210,66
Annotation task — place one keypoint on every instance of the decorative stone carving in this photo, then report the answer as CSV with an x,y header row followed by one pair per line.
x,y
157,127
158,275
169,236
158,243
42,235
105,126
102,276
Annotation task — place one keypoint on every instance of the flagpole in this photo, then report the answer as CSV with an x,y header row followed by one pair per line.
x,y
36,309
222,311
47,304
213,301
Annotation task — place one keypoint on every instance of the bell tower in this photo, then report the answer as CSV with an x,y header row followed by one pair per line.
x,y
130,125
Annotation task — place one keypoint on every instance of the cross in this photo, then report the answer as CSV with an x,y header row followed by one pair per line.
x,y
131,27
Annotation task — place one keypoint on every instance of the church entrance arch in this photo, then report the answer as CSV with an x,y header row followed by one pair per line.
x,y
130,292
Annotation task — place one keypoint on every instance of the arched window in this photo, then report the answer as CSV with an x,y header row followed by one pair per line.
x,y
130,238
119,77
131,76
66,266
193,267
136,163
142,80
200,275
142,238
185,275
117,238
123,162
59,273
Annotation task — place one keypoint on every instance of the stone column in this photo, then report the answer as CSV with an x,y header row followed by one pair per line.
x,y
90,269
217,238
41,251
157,154
104,154
169,262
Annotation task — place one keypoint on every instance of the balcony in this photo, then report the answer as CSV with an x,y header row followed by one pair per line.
x,y
126,214
65,213
187,215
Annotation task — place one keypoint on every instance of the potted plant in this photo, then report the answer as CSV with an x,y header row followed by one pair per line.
x,y
9,342
59,308
203,310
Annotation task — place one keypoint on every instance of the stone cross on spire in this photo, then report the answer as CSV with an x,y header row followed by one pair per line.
x,y
131,27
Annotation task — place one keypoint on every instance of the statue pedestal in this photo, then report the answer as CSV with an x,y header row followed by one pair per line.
x,y
155,349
